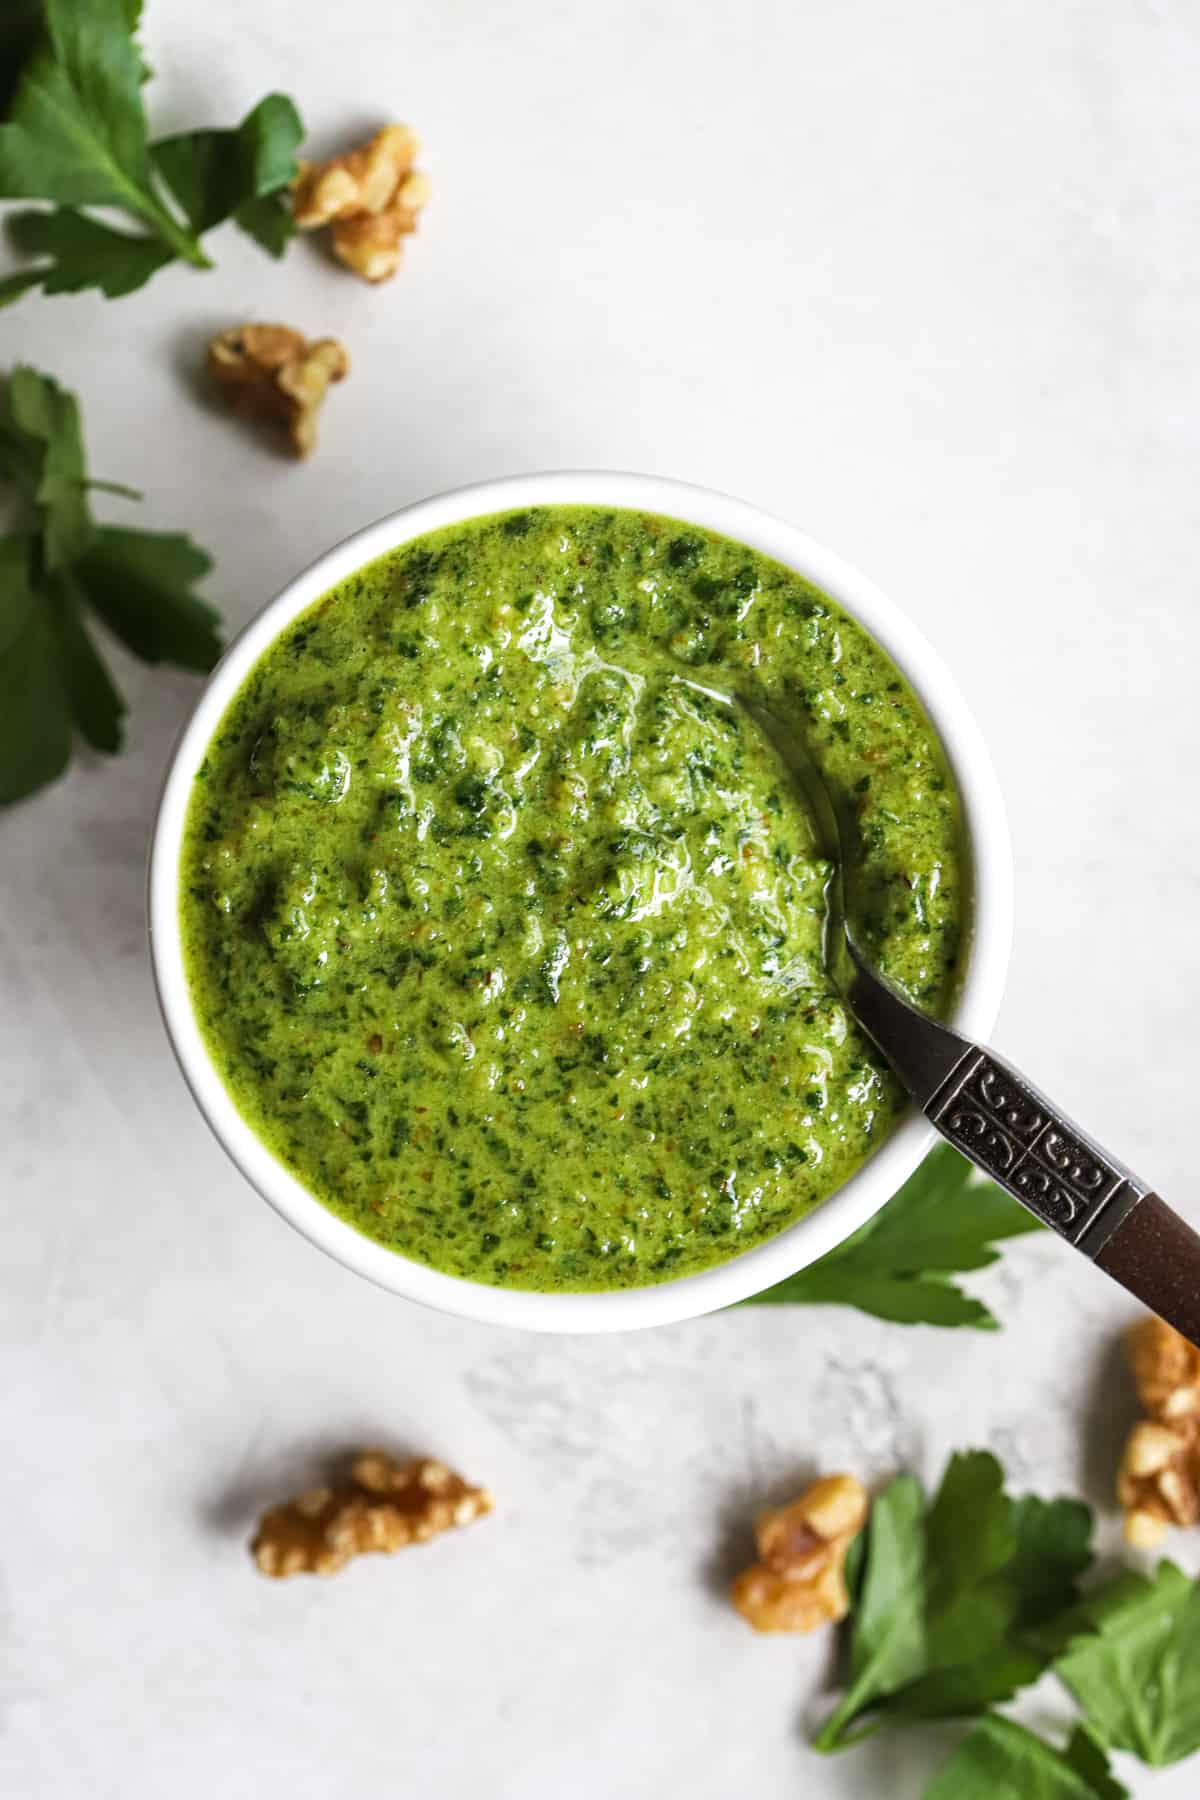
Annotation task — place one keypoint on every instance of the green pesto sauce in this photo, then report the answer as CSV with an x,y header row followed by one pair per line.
x,y
506,937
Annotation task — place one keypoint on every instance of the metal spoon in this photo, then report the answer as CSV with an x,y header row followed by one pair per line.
x,y
988,1111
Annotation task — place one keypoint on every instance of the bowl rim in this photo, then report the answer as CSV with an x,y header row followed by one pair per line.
x,y
851,1205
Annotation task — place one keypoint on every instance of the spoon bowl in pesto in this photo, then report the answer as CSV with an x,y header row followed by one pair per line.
x,y
490,938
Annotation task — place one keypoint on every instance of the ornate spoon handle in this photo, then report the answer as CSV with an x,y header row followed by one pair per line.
x,y
1018,1137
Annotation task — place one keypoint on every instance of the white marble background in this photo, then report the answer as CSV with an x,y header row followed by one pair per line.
x,y
923,278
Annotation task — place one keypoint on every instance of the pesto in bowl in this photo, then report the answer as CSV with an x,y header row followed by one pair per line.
x,y
504,934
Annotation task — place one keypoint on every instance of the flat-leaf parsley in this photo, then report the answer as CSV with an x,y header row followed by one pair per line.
x,y
75,134
61,570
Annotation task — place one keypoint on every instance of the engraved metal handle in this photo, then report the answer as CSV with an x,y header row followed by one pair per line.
x,y
1047,1163
1017,1136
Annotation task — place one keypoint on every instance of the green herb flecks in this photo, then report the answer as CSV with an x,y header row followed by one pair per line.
x,y
575,897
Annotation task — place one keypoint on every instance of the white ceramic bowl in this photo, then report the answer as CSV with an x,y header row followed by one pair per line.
x,y
853,1203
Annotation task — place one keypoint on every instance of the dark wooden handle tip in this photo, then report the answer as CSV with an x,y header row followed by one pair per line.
x,y
1156,1255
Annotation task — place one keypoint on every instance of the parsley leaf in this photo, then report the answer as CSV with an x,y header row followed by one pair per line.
x,y
83,253
1053,1548
219,175
898,1266
20,31
76,135
1001,1760
14,285
35,724
1137,1673
77,132
41,453
268,221
53,680
92,700
139,582
887,1640
950,1596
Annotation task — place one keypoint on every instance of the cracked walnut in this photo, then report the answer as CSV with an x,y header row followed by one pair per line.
x,y
798,1582
274,372
371,198
381,1505
1158,1482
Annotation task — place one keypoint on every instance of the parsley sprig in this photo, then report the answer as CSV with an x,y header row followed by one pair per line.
x,y
952,1598
59,572
959,1602
76,135
899,1266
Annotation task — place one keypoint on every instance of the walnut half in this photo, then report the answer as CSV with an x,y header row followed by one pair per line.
x,y
798,1581
274,372
1166,1371
371,197
381,1505
1158,1482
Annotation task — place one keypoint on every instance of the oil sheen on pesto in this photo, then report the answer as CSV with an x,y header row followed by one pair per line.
x,y
505,935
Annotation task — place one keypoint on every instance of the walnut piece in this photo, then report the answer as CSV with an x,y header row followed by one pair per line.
x,y
1166,1369
372,197
274,372
371,243
798,1581
1158,1482
381,1505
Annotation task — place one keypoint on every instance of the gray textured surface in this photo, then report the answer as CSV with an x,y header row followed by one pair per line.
x,y
925,280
